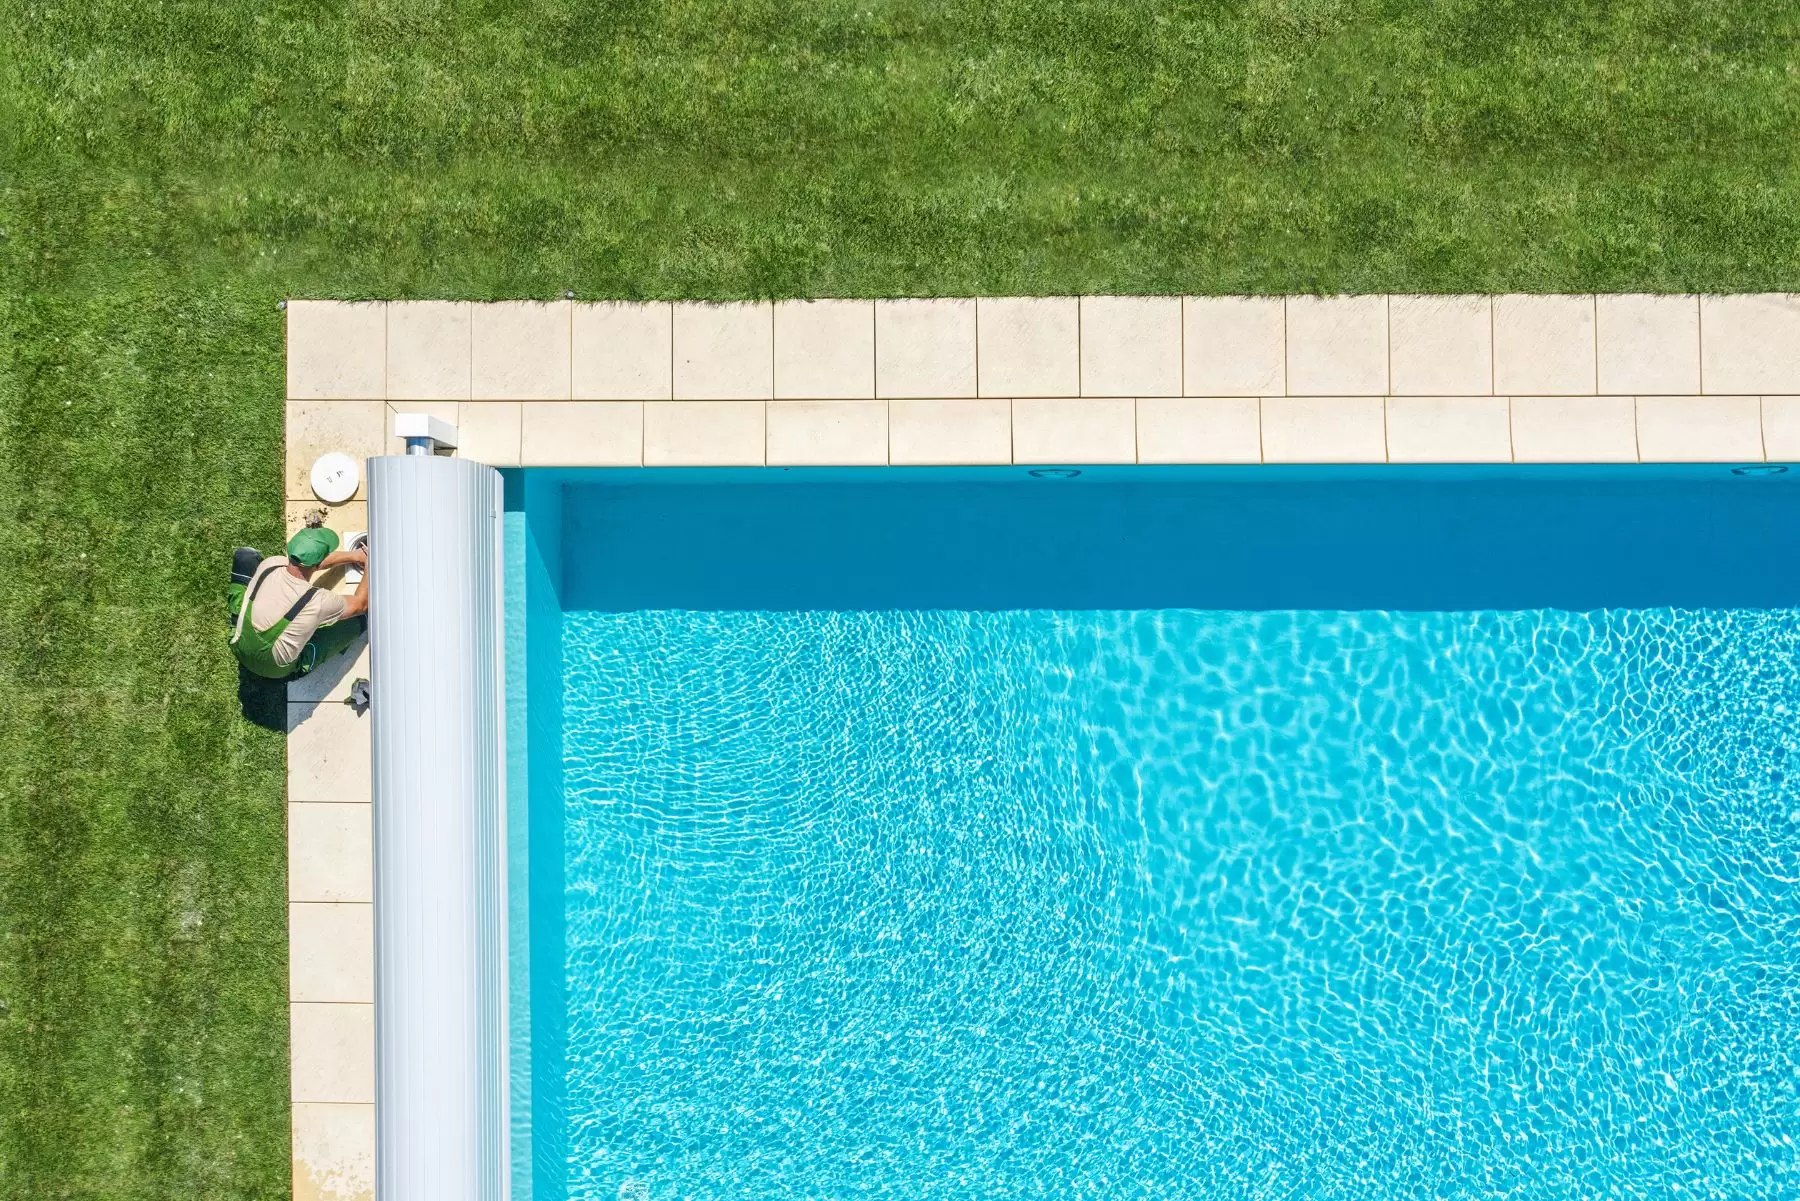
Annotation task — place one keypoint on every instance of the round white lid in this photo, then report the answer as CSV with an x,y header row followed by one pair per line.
x,y
334,477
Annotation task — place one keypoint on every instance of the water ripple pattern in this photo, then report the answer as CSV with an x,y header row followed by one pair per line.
x,y
1182,904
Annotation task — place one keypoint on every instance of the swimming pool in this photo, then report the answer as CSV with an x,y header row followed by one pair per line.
x,y
1199,833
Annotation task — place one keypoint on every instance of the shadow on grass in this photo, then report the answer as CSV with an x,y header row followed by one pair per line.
x,y
264,701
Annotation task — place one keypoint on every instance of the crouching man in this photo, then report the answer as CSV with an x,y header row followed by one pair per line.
x,y
287,627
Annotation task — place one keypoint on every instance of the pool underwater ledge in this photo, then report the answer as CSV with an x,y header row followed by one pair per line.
x,y
1257,537
1286,688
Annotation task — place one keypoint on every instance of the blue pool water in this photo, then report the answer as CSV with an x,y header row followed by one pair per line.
x,y
986,899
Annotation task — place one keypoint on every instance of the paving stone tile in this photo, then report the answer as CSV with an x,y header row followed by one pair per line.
x,y
1441,345
1544,345
332,1052
350,516
1449,429
428,351
1574,429
1699,429
925,348
334,1151
316,427
489,431
1336,346
1130,346
1028,346
1074,430
1781,427
1323,429
724,351
1199,429
331,954
1750,344
823,433
1234,346
949,432
824,349
329,853
622,351
704,433
336,350
1648,344
582,433
327,753
521,350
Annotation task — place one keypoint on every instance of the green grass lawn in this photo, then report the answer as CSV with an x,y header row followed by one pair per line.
x,y
169,169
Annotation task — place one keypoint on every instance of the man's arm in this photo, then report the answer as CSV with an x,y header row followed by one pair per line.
x,y
357,603
344,558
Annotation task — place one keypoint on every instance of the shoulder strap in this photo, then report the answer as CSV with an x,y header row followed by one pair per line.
x,y
250,599
294,609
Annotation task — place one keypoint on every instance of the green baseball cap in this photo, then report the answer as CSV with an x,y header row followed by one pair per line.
x,y
310,546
